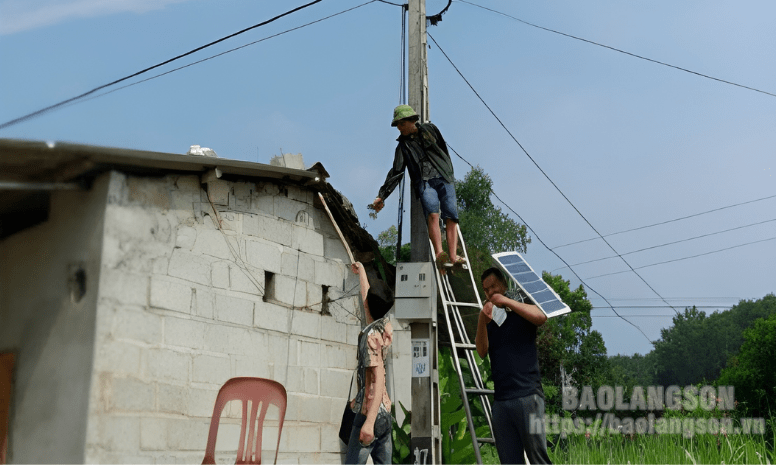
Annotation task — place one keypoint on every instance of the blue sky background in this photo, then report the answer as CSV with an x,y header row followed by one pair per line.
x,y
629,142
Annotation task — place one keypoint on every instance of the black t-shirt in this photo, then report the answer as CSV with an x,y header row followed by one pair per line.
x,y
513,358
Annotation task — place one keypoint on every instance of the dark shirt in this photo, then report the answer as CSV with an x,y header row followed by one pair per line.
x,y
428,147
513,358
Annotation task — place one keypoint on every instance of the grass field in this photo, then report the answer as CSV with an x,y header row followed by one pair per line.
x,y
664,449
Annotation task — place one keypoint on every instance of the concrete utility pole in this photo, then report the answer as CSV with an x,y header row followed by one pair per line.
x,y
425,446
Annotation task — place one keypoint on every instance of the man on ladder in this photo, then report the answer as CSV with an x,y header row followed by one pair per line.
x,y
518,406
423,151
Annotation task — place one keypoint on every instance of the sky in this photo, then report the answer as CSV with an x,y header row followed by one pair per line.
x,y
621,142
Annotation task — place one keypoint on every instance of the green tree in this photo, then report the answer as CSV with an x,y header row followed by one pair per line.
x,y
569,341
751,371
696,347
387,241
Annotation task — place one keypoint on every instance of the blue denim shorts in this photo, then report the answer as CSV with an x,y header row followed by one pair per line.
x,y
439,195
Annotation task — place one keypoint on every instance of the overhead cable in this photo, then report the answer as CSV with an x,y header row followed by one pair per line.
x,y
72,99
543,172
685,258
556,254
673,242
668,221
222,53
621,51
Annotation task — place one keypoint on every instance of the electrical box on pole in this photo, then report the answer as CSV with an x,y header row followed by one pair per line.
x,y
416,292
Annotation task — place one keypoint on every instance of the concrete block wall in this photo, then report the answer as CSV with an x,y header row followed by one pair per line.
x,y
184,305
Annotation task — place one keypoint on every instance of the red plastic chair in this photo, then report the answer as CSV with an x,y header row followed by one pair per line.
x,y
257,391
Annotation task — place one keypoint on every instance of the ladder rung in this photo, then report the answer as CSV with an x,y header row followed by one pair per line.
x,y
479,391
486,440
452,303
466,346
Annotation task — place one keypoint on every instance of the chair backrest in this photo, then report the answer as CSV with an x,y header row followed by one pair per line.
x,y
259,392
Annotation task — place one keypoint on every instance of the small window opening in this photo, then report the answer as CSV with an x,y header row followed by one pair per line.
x,y
269,286
325,300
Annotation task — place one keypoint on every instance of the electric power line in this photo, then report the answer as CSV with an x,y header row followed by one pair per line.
x,y
669,221
621,51
85,94
545,245
219,54
541,170
685,258
673,242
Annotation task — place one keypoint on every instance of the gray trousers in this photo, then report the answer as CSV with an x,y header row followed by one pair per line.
x,y
512,430
381,450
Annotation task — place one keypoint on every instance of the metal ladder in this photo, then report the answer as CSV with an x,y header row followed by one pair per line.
x,y
463,344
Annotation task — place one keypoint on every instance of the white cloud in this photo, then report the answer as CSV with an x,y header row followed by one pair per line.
x,y
23,15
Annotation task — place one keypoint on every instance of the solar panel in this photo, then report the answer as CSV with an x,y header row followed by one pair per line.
x,y
513,264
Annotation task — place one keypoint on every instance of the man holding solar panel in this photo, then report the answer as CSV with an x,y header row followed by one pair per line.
x,y
507,331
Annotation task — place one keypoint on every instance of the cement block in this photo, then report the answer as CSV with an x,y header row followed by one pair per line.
x,y
138,325
270,316
256,366
219,274
185,236
124,287
333,248
309,353
210,369
235,310
128,394
264,255
303,380
338,357
262,203
302,438
242,194
314,299
300,194
287,209
287,290
296,264
228,439
217,338
119,433
307,408
211,243
244,280
172,399
353,331
245,341
201,402
117,357
173,296
268,228
187,434
153,434
307,240
165,365
218,192
189,266
205,302
279,360
330,442
306,324
184,332
331,330
334,383
329,273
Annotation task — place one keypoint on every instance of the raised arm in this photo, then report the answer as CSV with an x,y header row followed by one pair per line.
x,y
529,312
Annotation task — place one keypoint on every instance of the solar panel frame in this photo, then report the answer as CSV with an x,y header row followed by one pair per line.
x,y
523,275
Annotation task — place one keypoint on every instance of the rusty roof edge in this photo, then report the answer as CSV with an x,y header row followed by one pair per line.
x,y
157,160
